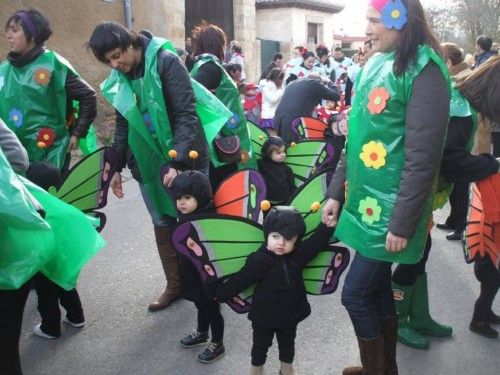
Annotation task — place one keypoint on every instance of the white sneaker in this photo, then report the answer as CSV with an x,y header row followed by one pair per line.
x,y
37,330
75,325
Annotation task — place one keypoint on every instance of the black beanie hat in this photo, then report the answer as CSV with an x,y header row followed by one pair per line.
x,y
274,141
192,183
44,175
285,220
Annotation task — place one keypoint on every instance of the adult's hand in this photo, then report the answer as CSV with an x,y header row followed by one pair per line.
x,y
116,185
169,177
330,213
73,143
395,244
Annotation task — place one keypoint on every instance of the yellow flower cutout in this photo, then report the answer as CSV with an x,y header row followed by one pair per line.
x,y
369,210
373,154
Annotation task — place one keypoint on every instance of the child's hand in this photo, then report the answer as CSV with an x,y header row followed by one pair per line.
x,y
330,221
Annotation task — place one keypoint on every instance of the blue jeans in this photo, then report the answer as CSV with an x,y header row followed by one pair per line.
x,y
367,295
159,220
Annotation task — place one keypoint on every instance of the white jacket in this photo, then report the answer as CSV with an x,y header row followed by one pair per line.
x,y
271,97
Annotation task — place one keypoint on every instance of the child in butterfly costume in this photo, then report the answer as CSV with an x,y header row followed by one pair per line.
x,y
277,175
279,301
193,196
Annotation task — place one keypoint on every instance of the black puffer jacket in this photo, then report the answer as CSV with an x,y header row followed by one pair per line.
x,y
280,298
179,99
76,89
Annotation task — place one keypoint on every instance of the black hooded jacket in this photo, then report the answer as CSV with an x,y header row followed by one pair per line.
x,y
179,99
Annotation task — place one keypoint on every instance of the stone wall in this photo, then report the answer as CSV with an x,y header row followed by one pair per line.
x,y
245,32
73,21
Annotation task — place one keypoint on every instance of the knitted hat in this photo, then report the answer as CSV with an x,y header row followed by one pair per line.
x,y
192,183
285,220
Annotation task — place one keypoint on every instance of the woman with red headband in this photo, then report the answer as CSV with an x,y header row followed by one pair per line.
x,y
396,134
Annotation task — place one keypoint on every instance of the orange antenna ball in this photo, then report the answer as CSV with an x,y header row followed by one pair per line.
x,y
315,206
172,154
265,205
193,154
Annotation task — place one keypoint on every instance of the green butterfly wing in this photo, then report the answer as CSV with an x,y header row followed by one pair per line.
x,y
218,246
257,137
307,158
322,274
313,190
86,184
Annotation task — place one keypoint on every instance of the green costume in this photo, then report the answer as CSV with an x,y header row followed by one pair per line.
x,y
58,246
150,136
228,94
34,106
375,158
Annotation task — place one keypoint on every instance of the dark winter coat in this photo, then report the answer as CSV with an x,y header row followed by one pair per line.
x,y
279,180
179,99
280,299
299,99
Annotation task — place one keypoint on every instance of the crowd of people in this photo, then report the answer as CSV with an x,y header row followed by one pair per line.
x,y
411,103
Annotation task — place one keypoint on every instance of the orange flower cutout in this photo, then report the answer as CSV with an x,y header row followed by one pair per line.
x,y
46,137
377,100
42,76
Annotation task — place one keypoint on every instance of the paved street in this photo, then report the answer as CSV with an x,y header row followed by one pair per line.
x,y
122,337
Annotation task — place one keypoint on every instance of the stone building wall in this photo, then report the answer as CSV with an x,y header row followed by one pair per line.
x,y
245,32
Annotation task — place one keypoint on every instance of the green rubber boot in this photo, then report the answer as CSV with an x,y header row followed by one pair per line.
x,y
420,318
406,334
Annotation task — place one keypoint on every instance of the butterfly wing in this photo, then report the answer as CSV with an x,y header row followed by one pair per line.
x,y
218,246
240,195
309,128
322,274
258,137
479,239
86,184
313,190
307,158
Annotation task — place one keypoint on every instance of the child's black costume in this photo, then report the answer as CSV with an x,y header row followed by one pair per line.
x,y
197,185
278,177
279,301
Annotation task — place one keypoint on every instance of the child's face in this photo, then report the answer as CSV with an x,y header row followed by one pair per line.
x,y
279,244
187,204
279,155
251,92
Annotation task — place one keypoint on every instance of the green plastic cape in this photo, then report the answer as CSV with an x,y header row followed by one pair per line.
x,y
26,240
150,142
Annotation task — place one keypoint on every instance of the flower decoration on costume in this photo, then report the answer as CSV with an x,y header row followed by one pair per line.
x,y
370,210
149,123
373,154
42,76
244,156
233,121
377,100
394,15
46,137
16,116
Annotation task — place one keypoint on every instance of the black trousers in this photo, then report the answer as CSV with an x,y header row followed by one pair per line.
x,y
209,315
11,318
495,139
489,277
49,297
263,339
459,203
406,274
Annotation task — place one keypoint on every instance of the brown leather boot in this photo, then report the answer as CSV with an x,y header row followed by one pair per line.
x,y
170,267
371,352
390,331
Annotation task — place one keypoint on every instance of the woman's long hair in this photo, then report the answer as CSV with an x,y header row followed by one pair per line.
x,y
482,88
415,33
208,38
